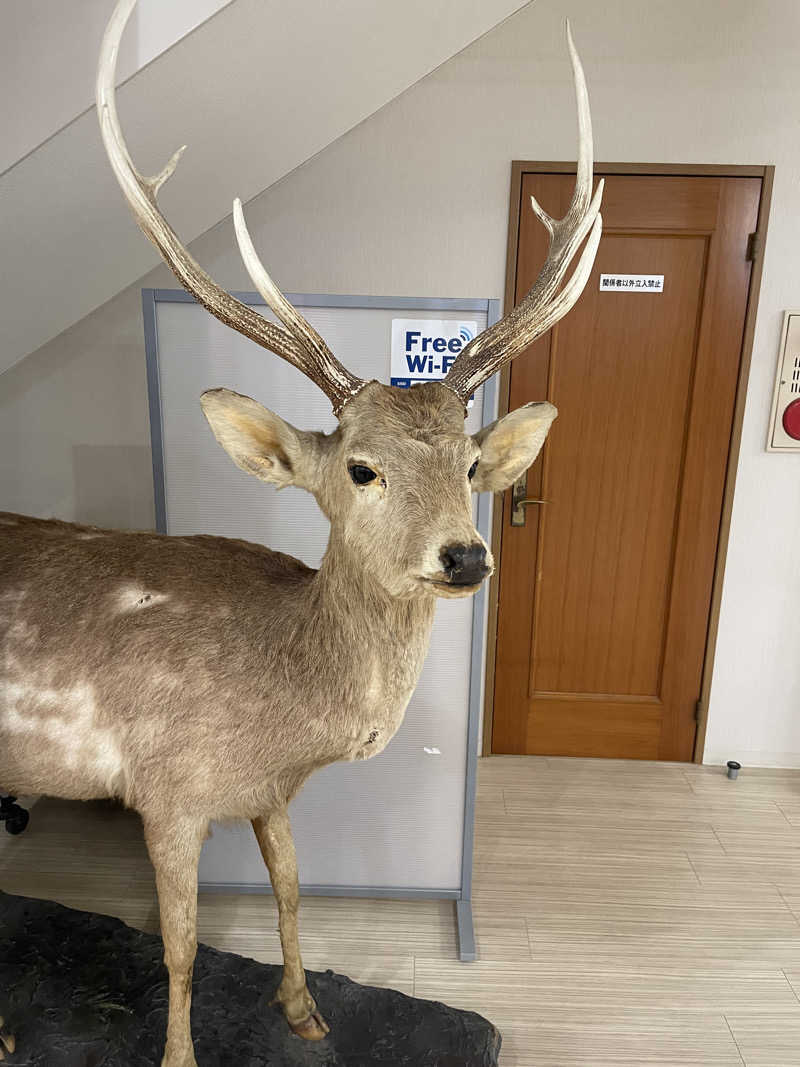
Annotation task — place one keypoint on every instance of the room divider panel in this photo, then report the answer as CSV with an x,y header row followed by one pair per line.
x,y
399,825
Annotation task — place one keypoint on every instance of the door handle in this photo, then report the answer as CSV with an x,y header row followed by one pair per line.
x,y
519,501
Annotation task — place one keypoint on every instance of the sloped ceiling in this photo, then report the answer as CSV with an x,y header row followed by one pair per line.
x,y
48,52
254,92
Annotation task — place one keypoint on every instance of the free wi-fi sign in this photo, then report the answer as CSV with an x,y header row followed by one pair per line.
x,y
424,350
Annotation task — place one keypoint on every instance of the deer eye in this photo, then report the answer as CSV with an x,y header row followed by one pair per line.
x,y
362,475
471,471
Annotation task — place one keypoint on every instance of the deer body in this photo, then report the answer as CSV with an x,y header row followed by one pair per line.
x,y
199,678
191,673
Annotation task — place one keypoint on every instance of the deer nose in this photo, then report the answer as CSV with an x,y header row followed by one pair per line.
x,y
464,564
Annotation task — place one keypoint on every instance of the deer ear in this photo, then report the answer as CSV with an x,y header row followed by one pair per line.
x,y
510,445
260,442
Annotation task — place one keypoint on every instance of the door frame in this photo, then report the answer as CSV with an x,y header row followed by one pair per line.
x,y
519,168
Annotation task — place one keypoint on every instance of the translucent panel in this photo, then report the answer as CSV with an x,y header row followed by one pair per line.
x,y
396,820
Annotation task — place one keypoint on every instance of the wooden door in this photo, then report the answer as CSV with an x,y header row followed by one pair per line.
x,y
604,593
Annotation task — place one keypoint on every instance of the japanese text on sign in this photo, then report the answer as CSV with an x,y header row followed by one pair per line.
x,y
632,283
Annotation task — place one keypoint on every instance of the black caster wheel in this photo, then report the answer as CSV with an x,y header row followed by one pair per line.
x,y
17,820
15,817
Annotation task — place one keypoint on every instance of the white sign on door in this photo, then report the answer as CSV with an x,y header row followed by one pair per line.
x,y
424,350
632,283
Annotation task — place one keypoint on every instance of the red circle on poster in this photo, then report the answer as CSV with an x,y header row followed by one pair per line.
x,y
791,419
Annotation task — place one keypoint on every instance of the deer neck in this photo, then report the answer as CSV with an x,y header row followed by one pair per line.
x,y
350,602
374,643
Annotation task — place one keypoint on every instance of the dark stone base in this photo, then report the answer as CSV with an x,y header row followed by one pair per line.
x,y
83,990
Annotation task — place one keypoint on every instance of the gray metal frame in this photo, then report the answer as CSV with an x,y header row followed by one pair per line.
x,y
463,895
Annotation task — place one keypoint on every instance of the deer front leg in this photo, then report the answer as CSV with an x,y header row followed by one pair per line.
x,y
174,848
274,835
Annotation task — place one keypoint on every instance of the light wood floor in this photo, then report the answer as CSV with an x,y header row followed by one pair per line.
x,y
626,913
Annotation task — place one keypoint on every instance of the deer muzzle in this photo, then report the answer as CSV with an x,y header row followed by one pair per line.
x,y
465,564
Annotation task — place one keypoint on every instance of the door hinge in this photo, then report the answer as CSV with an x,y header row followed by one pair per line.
x,y
753,246
698,710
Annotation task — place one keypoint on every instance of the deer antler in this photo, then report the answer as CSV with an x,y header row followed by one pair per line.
x,y
300,344
544,305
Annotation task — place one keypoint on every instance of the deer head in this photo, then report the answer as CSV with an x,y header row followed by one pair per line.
x,y
396,475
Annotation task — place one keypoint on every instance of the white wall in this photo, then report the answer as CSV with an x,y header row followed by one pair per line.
x,y
48,53
415,201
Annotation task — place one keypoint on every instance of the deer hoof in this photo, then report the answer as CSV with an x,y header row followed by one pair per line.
x,y
312,1028
7,1041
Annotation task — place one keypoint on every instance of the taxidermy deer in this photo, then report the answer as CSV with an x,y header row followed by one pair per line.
x,y
200,678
